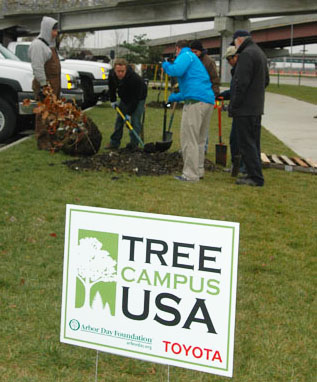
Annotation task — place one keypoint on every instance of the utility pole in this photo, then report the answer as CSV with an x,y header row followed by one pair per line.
x,y
303,50
292,37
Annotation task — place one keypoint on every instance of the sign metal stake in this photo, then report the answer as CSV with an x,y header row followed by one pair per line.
x,y
96,373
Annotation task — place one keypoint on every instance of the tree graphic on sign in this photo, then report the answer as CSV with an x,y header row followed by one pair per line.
x,y
94,265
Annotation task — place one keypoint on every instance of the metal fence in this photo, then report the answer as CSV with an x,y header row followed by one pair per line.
x,y
13,7
298,78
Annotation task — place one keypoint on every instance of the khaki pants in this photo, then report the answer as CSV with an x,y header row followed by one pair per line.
x,y
194,128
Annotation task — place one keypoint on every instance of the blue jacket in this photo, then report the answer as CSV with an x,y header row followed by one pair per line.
x,y
193,79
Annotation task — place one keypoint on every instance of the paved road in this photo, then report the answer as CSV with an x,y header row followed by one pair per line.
x,y
292,122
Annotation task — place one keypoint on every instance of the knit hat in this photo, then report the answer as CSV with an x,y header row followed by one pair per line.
x,y
231,51
197,45
240,33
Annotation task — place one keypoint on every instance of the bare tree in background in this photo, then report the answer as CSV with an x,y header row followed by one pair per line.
x,y
118,38
71,42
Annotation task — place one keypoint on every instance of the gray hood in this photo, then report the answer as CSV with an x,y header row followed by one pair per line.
x,y
46,30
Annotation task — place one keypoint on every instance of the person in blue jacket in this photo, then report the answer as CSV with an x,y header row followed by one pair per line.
x,y
195,89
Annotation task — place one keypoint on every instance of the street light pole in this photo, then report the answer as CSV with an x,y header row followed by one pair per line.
x,y
292,36
304,50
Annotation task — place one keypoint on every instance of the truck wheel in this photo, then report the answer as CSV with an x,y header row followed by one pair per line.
x,y
89,97
8,120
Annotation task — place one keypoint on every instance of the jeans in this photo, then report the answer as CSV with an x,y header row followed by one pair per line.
x,y
249,142
116,137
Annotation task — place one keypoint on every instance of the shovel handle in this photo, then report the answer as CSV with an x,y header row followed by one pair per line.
x,y
172,116
219,122
166,88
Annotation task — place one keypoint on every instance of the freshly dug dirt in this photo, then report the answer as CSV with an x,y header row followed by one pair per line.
x,y
134,162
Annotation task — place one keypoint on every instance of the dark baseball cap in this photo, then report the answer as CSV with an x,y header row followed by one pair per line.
x,y
197,45
240,33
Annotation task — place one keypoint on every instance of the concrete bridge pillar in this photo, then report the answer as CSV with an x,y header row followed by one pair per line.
x,y
226,26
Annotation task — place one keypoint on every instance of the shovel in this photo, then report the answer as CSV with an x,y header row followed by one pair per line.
x,y
148,147
221,149
166,106
142,124
168,134
161,84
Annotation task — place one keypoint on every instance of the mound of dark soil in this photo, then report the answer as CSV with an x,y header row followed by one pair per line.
x,y
134,162
88,144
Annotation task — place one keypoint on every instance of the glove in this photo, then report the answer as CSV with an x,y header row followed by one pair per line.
x,y
41,96
41,93
172,98
166,105
128,117
114,104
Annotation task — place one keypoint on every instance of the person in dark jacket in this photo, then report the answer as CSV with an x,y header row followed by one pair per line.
x,y
246,106
132,91
237,163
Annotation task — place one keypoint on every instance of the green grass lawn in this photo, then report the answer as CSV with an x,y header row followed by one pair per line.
x,y
276,301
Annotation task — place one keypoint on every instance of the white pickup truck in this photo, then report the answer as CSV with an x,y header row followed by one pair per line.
x,y
16,79
93,75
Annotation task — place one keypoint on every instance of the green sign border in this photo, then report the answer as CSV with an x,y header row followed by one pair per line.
x,y
159,219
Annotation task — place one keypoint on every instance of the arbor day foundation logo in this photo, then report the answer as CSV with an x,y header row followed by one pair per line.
x,y
96,272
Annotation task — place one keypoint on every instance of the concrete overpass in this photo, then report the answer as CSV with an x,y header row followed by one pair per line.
x,y
89,15
86,15
279,33
271,35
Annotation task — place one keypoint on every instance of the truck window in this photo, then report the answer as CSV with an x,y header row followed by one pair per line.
x,y
22,52
7,54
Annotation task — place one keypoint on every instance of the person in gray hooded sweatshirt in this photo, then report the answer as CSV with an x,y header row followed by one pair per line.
x,y
46,70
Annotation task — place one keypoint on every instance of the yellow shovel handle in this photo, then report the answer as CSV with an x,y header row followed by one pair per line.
x,y
166,88
124,118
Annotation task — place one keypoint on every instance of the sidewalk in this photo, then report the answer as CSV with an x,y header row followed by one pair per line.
x,y
292,122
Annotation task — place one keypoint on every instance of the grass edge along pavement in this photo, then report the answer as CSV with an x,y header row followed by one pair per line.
x,y
275,329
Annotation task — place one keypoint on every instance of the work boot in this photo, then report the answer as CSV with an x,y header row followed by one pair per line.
x,y
235,165
131,147
248,182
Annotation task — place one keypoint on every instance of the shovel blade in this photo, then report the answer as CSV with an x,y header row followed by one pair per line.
x,y
221,154
163,146
149,148
168,136
157,147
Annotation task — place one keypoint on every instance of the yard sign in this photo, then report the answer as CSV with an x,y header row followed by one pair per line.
x,y
158,288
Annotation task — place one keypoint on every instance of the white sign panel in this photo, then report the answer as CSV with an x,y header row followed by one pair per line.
x,y
154,287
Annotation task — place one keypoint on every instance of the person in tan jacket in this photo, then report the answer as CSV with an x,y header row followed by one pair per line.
x,y
197,47
46,70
